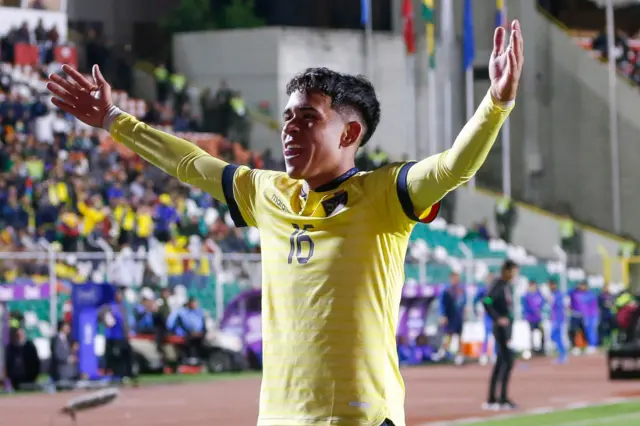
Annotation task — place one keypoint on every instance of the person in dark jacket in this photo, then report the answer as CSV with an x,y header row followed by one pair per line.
x,y
21,360
63,364
499,305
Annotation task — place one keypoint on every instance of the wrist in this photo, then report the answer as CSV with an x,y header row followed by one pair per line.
x,y
499,102
113,112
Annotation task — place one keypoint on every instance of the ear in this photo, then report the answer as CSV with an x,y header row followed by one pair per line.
x,y
352,133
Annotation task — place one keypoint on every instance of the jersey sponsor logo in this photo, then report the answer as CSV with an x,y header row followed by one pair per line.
x,y
279,203
336,203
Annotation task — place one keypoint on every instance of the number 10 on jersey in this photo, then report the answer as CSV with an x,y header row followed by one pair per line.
x,y
296,241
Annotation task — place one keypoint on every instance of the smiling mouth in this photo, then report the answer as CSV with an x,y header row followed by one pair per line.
x,y
292,151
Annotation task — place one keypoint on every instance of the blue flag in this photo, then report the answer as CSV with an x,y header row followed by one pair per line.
x,y
364,11
469,47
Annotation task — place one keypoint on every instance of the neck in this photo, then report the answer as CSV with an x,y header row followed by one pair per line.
x,y
328,177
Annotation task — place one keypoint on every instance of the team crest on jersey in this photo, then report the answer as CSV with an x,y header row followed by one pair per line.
x,y
336,203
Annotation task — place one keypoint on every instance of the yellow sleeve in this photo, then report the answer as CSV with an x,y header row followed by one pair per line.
x,y
432,178
177,157
406,193
242,187
236,186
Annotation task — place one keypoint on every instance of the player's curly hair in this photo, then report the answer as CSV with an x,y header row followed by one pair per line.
x,y
354,91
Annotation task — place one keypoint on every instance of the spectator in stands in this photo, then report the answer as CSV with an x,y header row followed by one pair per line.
x,y
570,240
63,365
163,87
178,90
189,322
506,216
166,218
21,360
601,45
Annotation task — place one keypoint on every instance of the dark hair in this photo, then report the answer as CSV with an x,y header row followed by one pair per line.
x,y
354,91
508,265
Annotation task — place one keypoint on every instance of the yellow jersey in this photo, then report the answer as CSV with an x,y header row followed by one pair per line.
x,y
332,263
332,276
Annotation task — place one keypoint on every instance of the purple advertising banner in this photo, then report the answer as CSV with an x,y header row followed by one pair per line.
x,y
24,291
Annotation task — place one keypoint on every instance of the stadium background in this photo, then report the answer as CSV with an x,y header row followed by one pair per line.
x,y
559,151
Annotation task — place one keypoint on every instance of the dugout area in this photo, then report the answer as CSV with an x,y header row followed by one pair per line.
x,y
435,394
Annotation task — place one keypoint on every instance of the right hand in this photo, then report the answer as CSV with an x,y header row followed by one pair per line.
x,y
503,322
443,320
87,101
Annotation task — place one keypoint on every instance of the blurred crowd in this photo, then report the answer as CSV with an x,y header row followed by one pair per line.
x,y
627,58
45,38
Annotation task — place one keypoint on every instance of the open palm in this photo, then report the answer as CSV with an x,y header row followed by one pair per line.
x,y
505,64
88,101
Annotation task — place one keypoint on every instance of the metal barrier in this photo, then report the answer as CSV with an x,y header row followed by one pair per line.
x,y
213,278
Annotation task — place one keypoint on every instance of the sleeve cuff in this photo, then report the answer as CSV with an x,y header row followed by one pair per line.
x,y
110,117
405,199
227,188
501,105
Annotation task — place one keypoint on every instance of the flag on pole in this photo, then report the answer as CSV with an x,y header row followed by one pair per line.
x,y
501,18
469,48
428,15
364,11
408,31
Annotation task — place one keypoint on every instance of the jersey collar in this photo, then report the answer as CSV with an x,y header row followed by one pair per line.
x,y
330,186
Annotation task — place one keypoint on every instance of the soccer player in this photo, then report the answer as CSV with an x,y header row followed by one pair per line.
x,y
584,317
532,305
334,238
558,320
453,302
481,293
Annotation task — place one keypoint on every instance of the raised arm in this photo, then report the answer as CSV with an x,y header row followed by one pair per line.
x,y
432,178
91,102
175,156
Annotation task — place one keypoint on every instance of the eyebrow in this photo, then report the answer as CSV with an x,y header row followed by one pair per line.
x,y
301,108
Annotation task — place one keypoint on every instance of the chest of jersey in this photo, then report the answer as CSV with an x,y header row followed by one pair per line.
x,y
332,237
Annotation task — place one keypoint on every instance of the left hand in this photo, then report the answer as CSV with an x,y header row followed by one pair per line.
x,y
505,65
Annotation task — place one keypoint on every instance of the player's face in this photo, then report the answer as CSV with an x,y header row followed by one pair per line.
x,y
311,137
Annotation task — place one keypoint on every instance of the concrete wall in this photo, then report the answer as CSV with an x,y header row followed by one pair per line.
x,y
260,62
119,16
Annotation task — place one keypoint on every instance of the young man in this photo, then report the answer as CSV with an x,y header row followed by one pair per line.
x,y
499,304
333,238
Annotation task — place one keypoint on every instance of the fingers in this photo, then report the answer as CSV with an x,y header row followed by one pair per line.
x,y
498,41
66,107
80,79
67,85
61,93
98,77
517,44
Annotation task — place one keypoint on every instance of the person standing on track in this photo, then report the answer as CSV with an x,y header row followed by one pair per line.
x,y
481,293
499,305
558,320
453,302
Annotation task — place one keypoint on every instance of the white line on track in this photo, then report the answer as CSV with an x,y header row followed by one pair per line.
x,y
548,410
